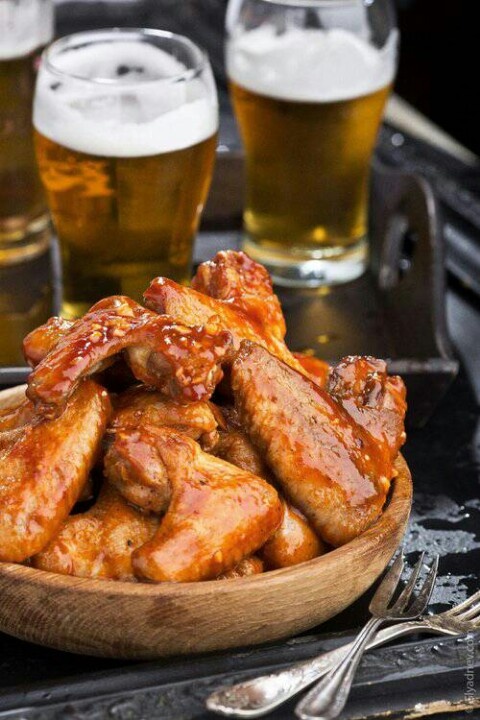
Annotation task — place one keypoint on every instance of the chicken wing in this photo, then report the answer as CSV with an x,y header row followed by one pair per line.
x,y
318,370
375,400
180,361
43,473
40,342
44,339
100,542
328,466
131,465
246,286
294,542
12,421
146,406
134,468
218,514
246,568
188,306
234,446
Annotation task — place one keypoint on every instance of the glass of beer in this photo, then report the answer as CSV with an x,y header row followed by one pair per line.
x,y
26,26
125,129
309,80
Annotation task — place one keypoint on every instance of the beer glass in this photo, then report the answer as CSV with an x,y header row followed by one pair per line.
x,y
125,130
25,28
309,80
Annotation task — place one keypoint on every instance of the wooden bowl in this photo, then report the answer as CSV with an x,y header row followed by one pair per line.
x,y
137,621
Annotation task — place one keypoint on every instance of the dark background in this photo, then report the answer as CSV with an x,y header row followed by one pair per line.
x,y
439,64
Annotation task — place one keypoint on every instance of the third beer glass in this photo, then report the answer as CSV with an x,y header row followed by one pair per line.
x,y
26,26
309,80
126,124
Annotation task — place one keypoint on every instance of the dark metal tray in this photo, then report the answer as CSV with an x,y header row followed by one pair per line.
x,y
395,311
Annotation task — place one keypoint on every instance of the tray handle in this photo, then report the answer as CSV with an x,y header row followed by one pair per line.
x,y
407,257
407,260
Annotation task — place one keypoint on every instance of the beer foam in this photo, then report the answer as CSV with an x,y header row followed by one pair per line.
x,y
120,100
310,65
24,27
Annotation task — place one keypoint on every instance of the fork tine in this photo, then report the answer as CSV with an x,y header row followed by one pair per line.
x,y
465,605
387,587
425,593
406,593
471,613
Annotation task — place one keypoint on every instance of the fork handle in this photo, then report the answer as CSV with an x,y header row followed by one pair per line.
x,y
254,698
328,698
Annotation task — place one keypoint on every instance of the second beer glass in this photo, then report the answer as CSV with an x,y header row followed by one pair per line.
x,y
309,80
126,124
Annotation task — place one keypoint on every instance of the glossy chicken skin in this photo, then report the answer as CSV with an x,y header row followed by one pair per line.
x,y
235,447
294,542
246,568
9,438
328,466
375,400
179,361
239,317
245,285
43,474
44,339
16,416
12,421
99,543
218,514
141,405
318,370
133,466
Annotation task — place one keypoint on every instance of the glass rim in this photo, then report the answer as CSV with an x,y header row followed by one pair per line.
x,y
56,46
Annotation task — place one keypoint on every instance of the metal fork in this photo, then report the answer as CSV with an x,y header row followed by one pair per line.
x,y
259,696
328,698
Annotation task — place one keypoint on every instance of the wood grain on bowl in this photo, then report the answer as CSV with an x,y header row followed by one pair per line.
x,y
140,621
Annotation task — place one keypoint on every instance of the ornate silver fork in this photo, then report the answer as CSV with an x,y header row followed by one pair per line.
x,y
328,698
257,697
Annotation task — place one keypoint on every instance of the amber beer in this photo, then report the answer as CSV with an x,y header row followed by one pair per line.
x,y
126,168
312,194
309,129
122,221
25,26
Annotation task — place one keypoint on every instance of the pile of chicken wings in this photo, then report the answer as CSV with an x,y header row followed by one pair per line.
x,y
183,441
